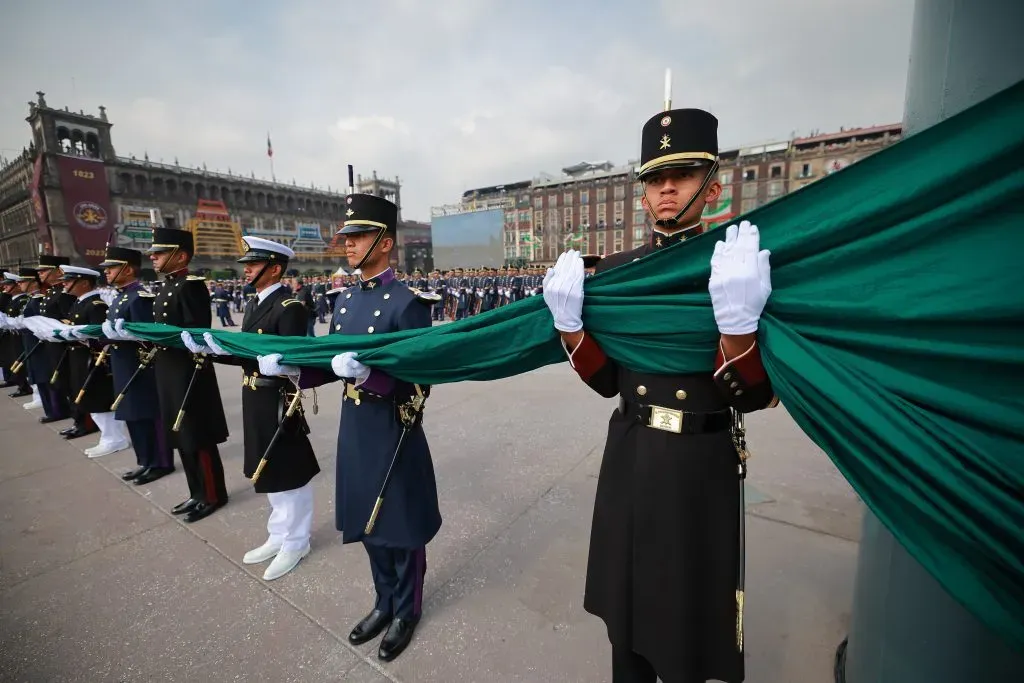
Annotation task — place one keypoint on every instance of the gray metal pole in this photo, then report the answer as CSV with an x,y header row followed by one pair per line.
x,y
904,627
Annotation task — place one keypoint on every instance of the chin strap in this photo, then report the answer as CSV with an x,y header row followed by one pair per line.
x,y
266,264
674,221
376,241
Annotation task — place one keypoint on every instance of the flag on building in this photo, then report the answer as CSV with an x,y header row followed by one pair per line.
x,y
270,148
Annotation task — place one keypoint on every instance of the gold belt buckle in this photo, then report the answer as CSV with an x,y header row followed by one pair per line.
x,y
666,419
352,392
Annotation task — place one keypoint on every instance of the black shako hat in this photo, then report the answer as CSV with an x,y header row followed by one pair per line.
x,y
120,256
369,213
678,138
169,239
47,261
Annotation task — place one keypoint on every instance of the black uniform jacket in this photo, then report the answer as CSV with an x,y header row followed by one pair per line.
x,y
56,304
664,557
184,300
292,462
99,395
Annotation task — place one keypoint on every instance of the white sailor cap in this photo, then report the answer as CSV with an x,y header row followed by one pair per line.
x,y
75,272
259,249
12,277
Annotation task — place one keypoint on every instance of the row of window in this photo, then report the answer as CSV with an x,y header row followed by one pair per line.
x,y
16,219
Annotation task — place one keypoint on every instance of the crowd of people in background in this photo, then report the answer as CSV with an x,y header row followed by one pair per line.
x,y
464,291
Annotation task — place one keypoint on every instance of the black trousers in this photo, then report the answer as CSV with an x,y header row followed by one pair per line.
x,y
398,579
54,403
629,667
150,443
204,473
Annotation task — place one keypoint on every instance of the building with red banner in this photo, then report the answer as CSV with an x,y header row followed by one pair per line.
x,y
69,193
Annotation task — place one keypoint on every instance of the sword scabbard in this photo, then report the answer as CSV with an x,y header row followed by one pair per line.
x,y
373,516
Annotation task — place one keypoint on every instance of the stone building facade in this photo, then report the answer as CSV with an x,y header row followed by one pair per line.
x,y
69,193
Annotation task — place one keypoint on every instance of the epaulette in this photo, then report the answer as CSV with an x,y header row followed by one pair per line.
x,y
286,302
148,295
425,297
195,277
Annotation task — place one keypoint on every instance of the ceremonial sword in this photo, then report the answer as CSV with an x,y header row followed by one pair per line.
x,y
292,406
56,370
146,359
740,442
409,414
97,362
17,365
200,359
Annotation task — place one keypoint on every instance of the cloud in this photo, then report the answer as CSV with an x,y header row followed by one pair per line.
x,y
450,94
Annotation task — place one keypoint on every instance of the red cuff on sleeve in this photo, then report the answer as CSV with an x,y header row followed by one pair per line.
x,y
587,358
747,365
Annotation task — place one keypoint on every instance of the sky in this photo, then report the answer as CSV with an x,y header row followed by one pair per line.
x,y
448,95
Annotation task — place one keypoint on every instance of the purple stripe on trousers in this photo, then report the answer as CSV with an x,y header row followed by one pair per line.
x,y
420,562
164,455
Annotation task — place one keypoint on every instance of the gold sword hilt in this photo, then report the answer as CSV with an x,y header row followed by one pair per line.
x,y
373,516
294,404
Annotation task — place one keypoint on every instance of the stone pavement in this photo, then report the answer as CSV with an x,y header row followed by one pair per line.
x,y
98,582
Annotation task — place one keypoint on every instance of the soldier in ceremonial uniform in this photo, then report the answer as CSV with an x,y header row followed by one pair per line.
x,y
91,388
47,301
7,286
665,546
186,382
370,430
290,466
10,340
139,407
223,301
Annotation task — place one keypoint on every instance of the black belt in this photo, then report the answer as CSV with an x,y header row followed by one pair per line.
x,y
263,382
676,421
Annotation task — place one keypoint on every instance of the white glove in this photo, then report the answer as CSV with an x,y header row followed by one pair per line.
x,y
563,292
71,333
212,344
740,280
191,344
108,330
123,333
271,366
345,365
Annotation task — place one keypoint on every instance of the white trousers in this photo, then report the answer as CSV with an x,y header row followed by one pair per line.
x,y
291,516
112,430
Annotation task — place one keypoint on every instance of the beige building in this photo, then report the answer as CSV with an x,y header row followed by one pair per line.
x,y
595,206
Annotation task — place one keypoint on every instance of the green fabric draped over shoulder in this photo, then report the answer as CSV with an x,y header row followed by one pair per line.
x,y
894,337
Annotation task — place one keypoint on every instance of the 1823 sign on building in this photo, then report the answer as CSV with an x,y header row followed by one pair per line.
x,y
86,197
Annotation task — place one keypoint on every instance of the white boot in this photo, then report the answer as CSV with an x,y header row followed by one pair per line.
x,y
106,448
266,551
284,562
36,401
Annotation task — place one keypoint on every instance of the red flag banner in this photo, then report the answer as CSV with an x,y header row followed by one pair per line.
x,y
39,203
86,205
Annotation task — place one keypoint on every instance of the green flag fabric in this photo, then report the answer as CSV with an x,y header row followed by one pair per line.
x,y
894,337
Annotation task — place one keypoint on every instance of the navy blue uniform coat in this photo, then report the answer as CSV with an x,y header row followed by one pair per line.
x,y
135,305
369,432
